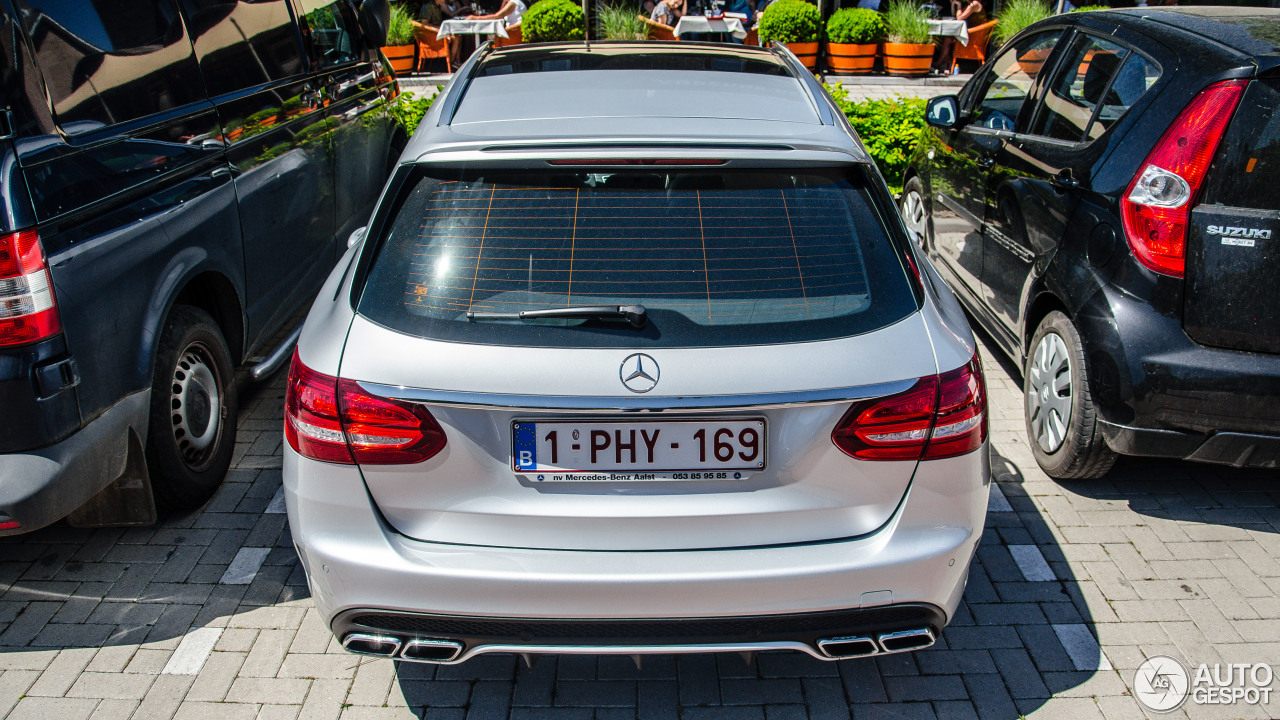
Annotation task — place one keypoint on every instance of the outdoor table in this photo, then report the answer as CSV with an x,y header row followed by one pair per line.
x,y
464,26
950,28
701,24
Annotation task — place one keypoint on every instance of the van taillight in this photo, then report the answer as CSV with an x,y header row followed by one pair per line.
x,y
336,421
941,416
1157,205
28,309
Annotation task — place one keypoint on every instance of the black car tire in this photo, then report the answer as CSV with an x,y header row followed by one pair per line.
x,y
914,210
1076,449
192,432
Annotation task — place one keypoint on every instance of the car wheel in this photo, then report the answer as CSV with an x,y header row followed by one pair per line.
x,y
913,211
1062,424
193,411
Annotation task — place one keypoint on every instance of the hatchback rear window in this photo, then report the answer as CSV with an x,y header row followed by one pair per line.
x,y
716,257
1246,171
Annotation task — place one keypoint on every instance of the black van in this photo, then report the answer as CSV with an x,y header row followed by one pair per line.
x,y
177,177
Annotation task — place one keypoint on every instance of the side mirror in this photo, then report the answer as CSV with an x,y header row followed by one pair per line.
x,y
375,21
942,111
357,236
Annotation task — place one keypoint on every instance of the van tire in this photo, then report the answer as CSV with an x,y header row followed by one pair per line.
x,y
192,433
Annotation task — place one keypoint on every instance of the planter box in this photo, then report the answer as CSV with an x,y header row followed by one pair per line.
x,y
402,57
851,58
907,60
806,52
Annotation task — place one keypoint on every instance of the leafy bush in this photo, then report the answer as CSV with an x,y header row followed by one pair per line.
x,y
619,22
553,21
262,116
791,21
1016,15
855,26
400,29
1088,8
890,129
407,110
906,22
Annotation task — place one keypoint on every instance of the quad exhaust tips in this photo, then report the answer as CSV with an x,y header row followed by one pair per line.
x,y
844,648
387,646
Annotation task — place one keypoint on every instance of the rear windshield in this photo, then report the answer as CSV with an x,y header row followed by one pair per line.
x,y
716,258
1246,171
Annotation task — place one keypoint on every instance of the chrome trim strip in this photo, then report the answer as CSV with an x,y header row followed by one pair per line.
x,y
636,649
586,403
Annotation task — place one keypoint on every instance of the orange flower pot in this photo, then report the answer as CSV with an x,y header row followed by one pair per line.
x,y
907,59
1031,61
852,59
807,53
401,57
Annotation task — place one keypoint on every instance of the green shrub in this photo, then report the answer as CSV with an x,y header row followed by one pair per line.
x,y
1088,8
791,21
906,22
553,21
1016,15
890,129
261,116
855,26
407,110
400,29
619,22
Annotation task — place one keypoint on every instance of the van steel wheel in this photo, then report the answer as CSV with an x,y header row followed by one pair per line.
x,y
1061,422
913,212
193,411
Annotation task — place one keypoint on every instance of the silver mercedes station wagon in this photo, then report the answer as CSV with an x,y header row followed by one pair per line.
x,y
635,356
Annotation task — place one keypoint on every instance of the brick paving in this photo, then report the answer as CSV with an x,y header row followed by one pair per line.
x,y
207,615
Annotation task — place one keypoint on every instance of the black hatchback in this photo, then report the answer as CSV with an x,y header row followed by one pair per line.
x,y
1102,196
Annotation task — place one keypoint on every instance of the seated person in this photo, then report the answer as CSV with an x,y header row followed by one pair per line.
x,y
434,12
511,11
973,15
668,12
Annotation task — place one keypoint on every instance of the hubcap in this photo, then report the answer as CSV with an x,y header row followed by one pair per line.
x,y
913,214
1049,397
196,406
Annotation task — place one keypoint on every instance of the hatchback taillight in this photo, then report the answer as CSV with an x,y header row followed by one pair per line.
x,y
1157,205
28,310
941,416
336,421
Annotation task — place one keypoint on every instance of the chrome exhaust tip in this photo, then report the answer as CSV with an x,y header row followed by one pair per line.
x,y
844,648
907,640
431,651
375,645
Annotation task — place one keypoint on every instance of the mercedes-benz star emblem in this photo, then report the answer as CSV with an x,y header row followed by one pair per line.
x,y
639,373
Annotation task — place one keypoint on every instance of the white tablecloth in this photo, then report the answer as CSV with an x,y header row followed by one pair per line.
x,y
950,28
700,24
463,26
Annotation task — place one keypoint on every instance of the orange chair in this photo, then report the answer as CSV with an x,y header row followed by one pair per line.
x,y
658,31
979,36
514,37
431,46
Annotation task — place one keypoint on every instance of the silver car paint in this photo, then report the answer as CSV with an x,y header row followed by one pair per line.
x,y
919,552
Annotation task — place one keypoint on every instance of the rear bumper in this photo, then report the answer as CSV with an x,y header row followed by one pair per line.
x,y
1222,448
39,487
357,564
1160,393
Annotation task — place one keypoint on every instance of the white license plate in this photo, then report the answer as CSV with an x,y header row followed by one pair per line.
x,y
616,451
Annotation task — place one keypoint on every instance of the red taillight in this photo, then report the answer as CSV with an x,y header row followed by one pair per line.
x,y
1157,205
941,416
336,421
635,161
28,309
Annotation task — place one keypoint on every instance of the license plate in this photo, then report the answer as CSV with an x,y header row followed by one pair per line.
x,y
618,451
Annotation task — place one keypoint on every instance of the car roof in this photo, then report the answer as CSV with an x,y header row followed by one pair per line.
x,y
651,93
1251,31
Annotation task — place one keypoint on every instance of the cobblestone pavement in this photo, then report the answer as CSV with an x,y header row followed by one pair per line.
x,y
207,617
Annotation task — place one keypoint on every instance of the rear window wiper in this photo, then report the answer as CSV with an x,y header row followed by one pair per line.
x,y
634,314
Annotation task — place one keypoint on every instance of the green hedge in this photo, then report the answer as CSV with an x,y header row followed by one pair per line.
x,y
791,21
553,21
889,128
855,26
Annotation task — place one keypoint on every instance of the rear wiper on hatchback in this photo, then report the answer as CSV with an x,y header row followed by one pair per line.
x,y
634,314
